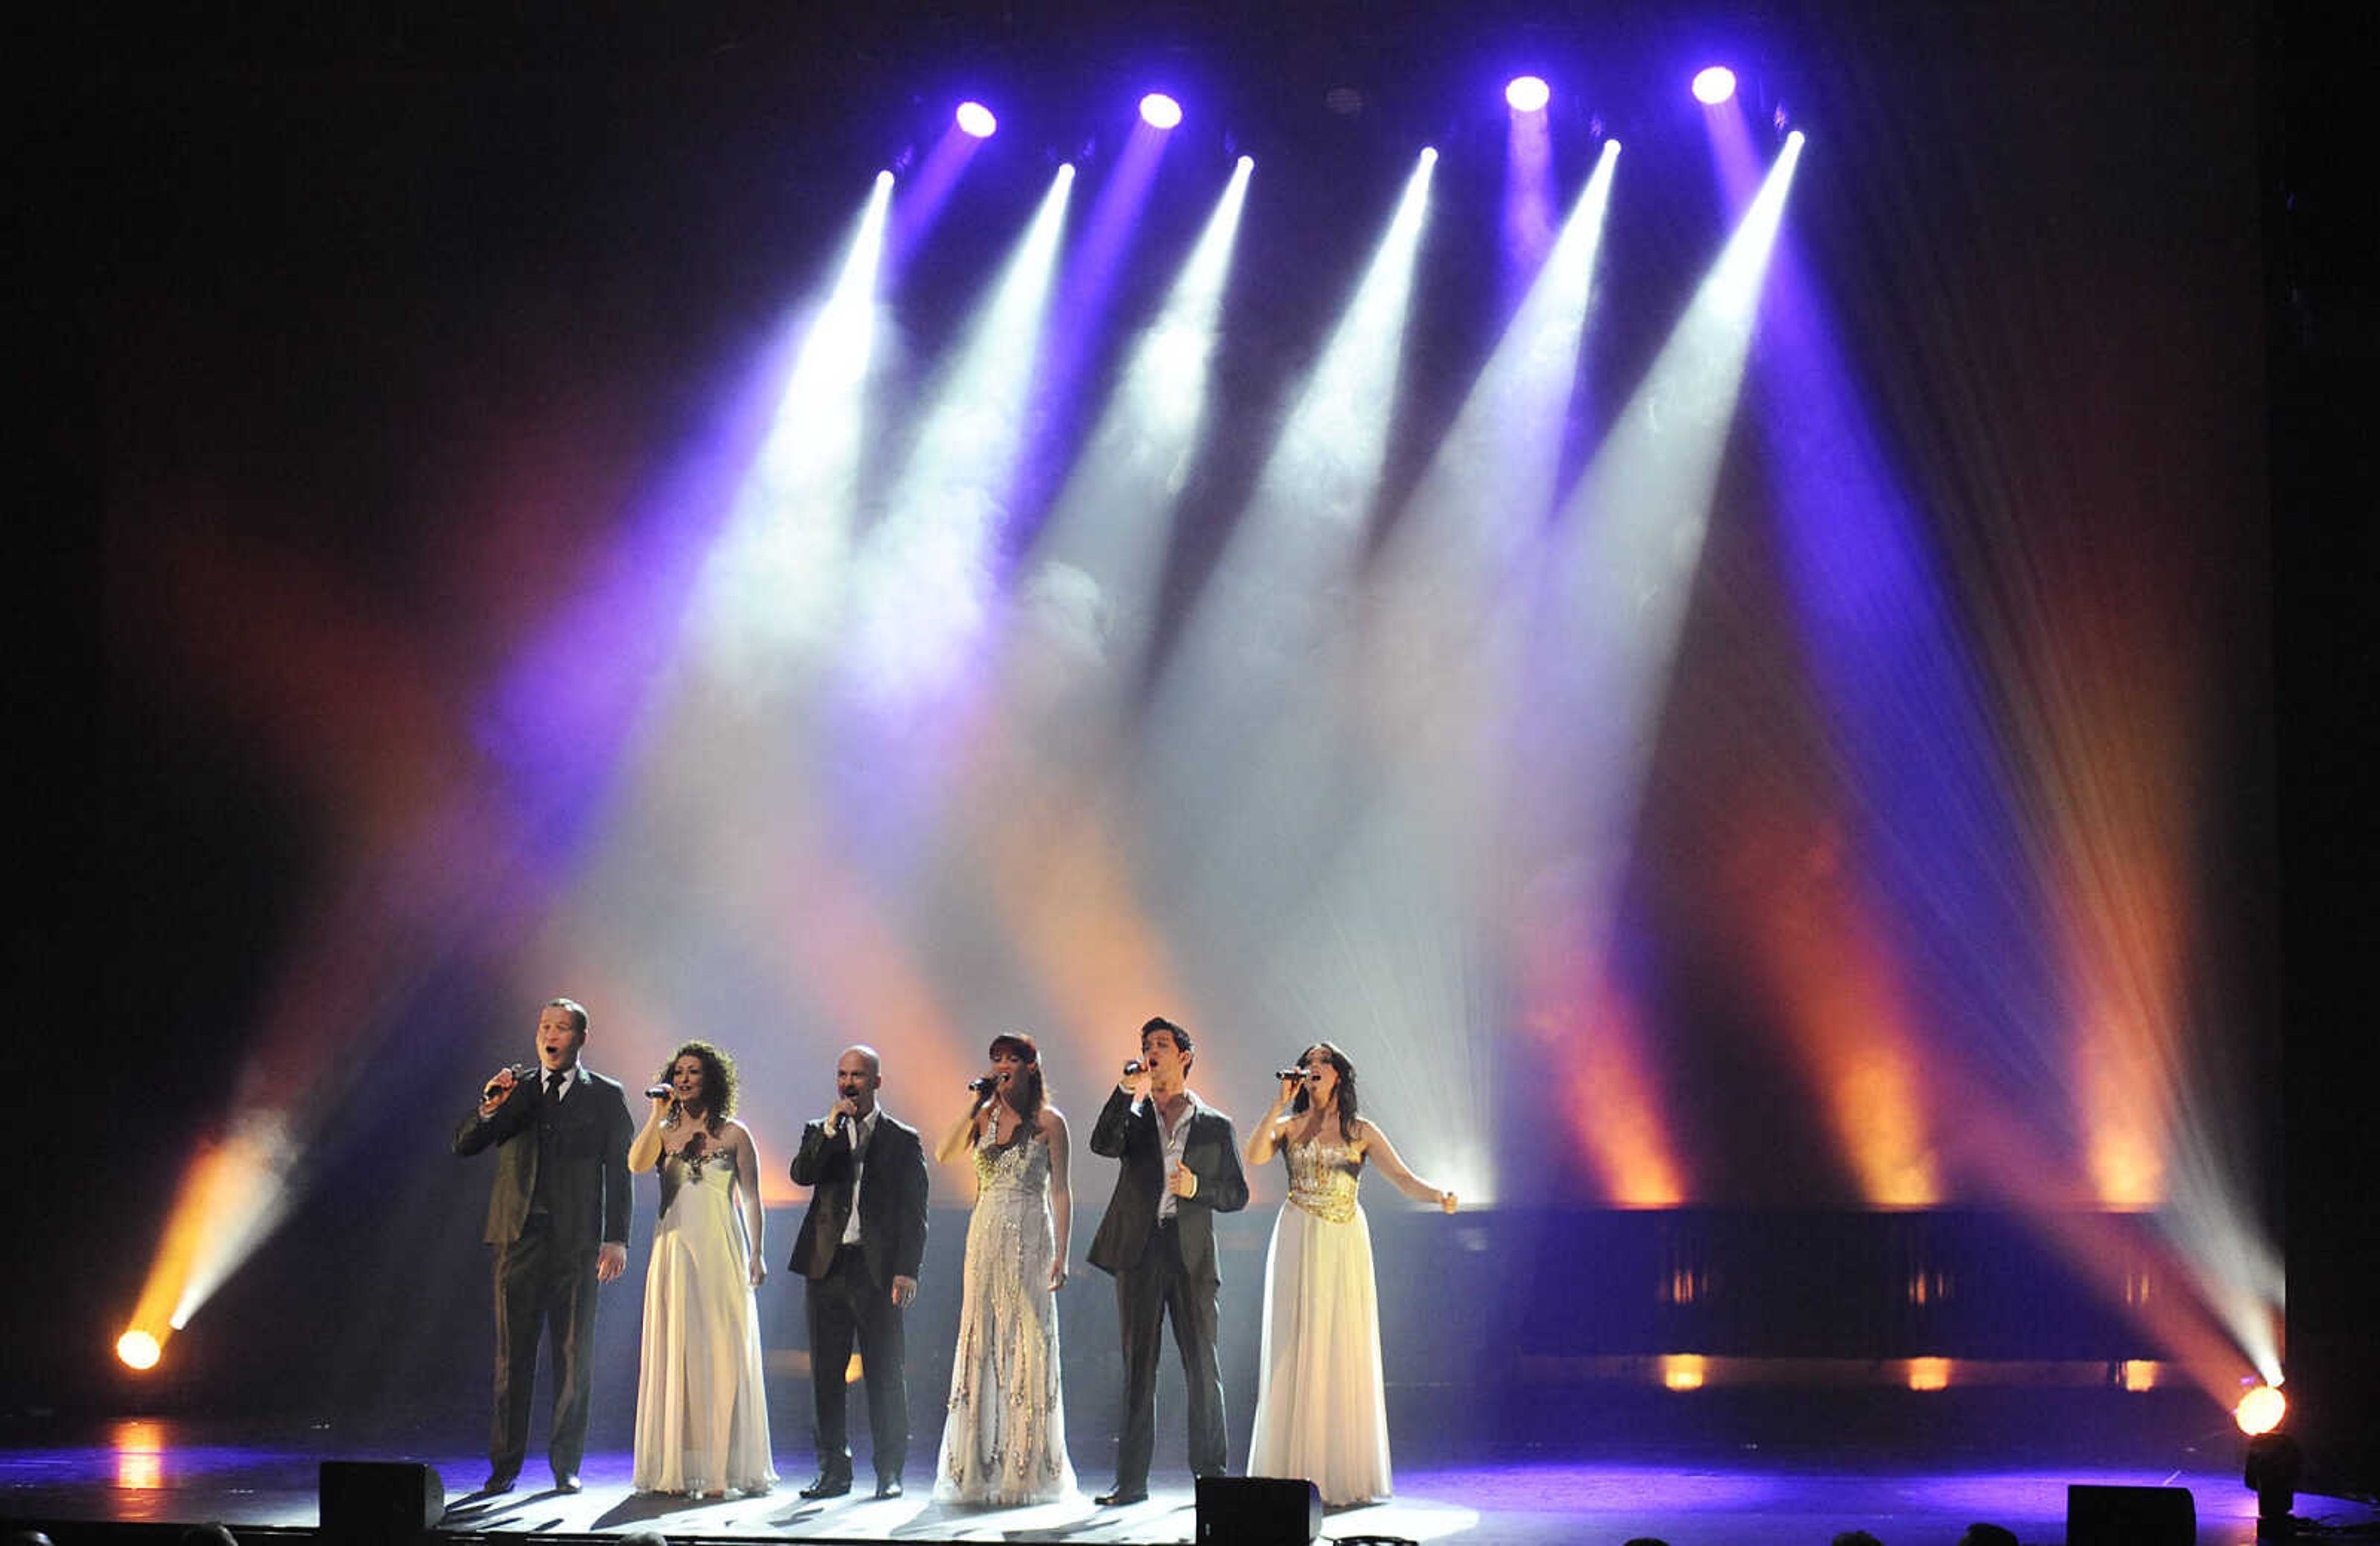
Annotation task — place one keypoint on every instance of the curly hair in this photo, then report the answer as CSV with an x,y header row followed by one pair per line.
x,y
1029,1098
1344,1101
718,1080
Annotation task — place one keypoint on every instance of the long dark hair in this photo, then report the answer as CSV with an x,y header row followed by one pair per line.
x,y
718,1080
1026,1093
1345,1099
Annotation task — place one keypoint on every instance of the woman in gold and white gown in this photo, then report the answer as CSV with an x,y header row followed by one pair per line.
x,y
1321,1412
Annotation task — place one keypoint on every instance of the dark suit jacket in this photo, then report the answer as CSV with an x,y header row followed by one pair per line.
x,y
1130,1133
589,1193
892,1198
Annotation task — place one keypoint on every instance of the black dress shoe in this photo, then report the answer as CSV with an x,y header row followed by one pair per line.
x,y
888,1487
498,1481
1122,1496
827,1486
565,1481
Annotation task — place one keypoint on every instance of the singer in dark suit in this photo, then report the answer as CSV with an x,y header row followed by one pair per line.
x,y
558,1217
1181,1167
861,1259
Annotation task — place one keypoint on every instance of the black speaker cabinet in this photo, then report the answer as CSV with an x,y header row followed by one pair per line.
x,y
1258,1511
2130,1516
380,1503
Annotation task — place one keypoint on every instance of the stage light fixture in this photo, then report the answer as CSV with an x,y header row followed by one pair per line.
x,y
977,119
2275,1467
138,1349
1714,85
1527,94
2261,1410
1160,111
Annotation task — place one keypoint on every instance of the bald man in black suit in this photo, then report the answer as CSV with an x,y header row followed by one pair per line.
x,y
861,1258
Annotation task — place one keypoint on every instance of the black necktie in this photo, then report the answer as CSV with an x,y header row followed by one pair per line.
x,y
554,1084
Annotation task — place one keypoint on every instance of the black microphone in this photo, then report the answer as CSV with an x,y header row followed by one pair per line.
x,y
518,1071
1135,1066
1299,1074
659,1093
983,1085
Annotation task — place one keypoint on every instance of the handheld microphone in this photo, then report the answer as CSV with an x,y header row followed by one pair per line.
x,y
659,1093
1135,1066
1298,1074
982,1085
518,1071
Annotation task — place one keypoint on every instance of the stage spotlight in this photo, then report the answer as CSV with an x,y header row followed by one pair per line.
x,y
138,1349
1714,85
977,119
2261,1410
1528,94
1160,111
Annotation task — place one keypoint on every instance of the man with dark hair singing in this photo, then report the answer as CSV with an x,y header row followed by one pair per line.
x,y
1179,1166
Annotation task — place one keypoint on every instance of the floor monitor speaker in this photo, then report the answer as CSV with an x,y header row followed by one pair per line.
x,y
2130,1516
380,1503
1258,1511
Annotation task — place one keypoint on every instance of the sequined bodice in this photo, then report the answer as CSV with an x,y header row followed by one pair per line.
x,y
717,1168
1022,1167
700,1181
1322,1178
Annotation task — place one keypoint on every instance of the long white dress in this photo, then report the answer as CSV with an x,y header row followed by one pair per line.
x,y
1321,1411
1005,1441
702,1417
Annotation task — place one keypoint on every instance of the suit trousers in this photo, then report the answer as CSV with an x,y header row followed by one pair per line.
x,y
848,1304
542,1283
1158,1288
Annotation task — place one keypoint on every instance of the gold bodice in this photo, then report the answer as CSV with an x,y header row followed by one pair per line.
x,y
1322,1178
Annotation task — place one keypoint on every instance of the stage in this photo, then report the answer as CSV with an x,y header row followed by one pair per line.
x,y
1786,696
102,1482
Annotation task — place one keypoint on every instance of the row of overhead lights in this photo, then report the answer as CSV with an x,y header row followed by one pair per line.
x,y
1525,93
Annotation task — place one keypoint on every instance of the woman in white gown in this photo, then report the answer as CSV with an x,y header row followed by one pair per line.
x,y
1005,1441
702,1417
1320,1412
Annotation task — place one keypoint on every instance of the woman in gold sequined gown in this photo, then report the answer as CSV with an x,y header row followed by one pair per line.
x,y
1320,1412
1004,1439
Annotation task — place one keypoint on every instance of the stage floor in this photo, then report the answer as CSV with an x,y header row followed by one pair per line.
x,y
157,1472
